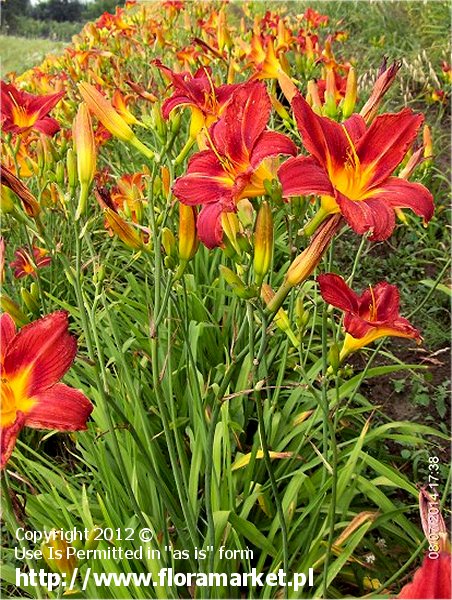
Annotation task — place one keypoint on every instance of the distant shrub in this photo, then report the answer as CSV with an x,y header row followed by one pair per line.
x,y
54,30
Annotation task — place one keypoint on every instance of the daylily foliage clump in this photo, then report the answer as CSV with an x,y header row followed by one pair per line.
x,y
183,185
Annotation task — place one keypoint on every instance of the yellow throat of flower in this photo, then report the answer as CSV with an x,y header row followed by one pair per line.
x,y
22,118
14,397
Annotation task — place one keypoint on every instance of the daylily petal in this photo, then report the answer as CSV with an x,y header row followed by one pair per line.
x,y
242,122
303,175
7,333
210,230
431,580
204,182
387,301
323,138
173,102
358,328
8,438
60,407
45,349
336,292
400,193
271,143
47,125
356,127
368,215
44,104
384,145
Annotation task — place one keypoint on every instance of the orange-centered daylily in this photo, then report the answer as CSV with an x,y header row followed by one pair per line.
x,y
372,315
237,162
32,363
351,166
205,100
22,112
26,263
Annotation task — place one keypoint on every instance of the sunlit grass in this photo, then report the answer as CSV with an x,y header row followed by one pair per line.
x,y
19,54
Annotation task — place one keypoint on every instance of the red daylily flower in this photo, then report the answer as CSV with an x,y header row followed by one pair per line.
x,y
369,316
199,93
22,112
237,162
32,363
351,166
25,265
314,18
431,580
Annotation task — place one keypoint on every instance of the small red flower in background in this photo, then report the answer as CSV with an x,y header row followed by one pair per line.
x,y
26,265
369,316
22,112
350,167
237,162
315,19
32,363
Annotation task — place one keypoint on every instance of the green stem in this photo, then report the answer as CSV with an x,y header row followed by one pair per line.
x,y
430,292
312,225
263,435
275,303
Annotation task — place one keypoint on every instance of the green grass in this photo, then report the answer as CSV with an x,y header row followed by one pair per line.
x,y
19,54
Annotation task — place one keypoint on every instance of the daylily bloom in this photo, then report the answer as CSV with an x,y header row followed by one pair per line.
x,y
431,580
128,195
24,264
198,93
268,65
32,363
372,315
314,18
351,166
236,163
115,223
22,112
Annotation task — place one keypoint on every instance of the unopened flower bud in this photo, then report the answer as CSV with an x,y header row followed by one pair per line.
x,y
263,242
85,148
188,238
165,177
384,81
55,553
333,357
306,262
313,97
110,118
168,242
428,144
71,167
330,106
348,105
59,173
